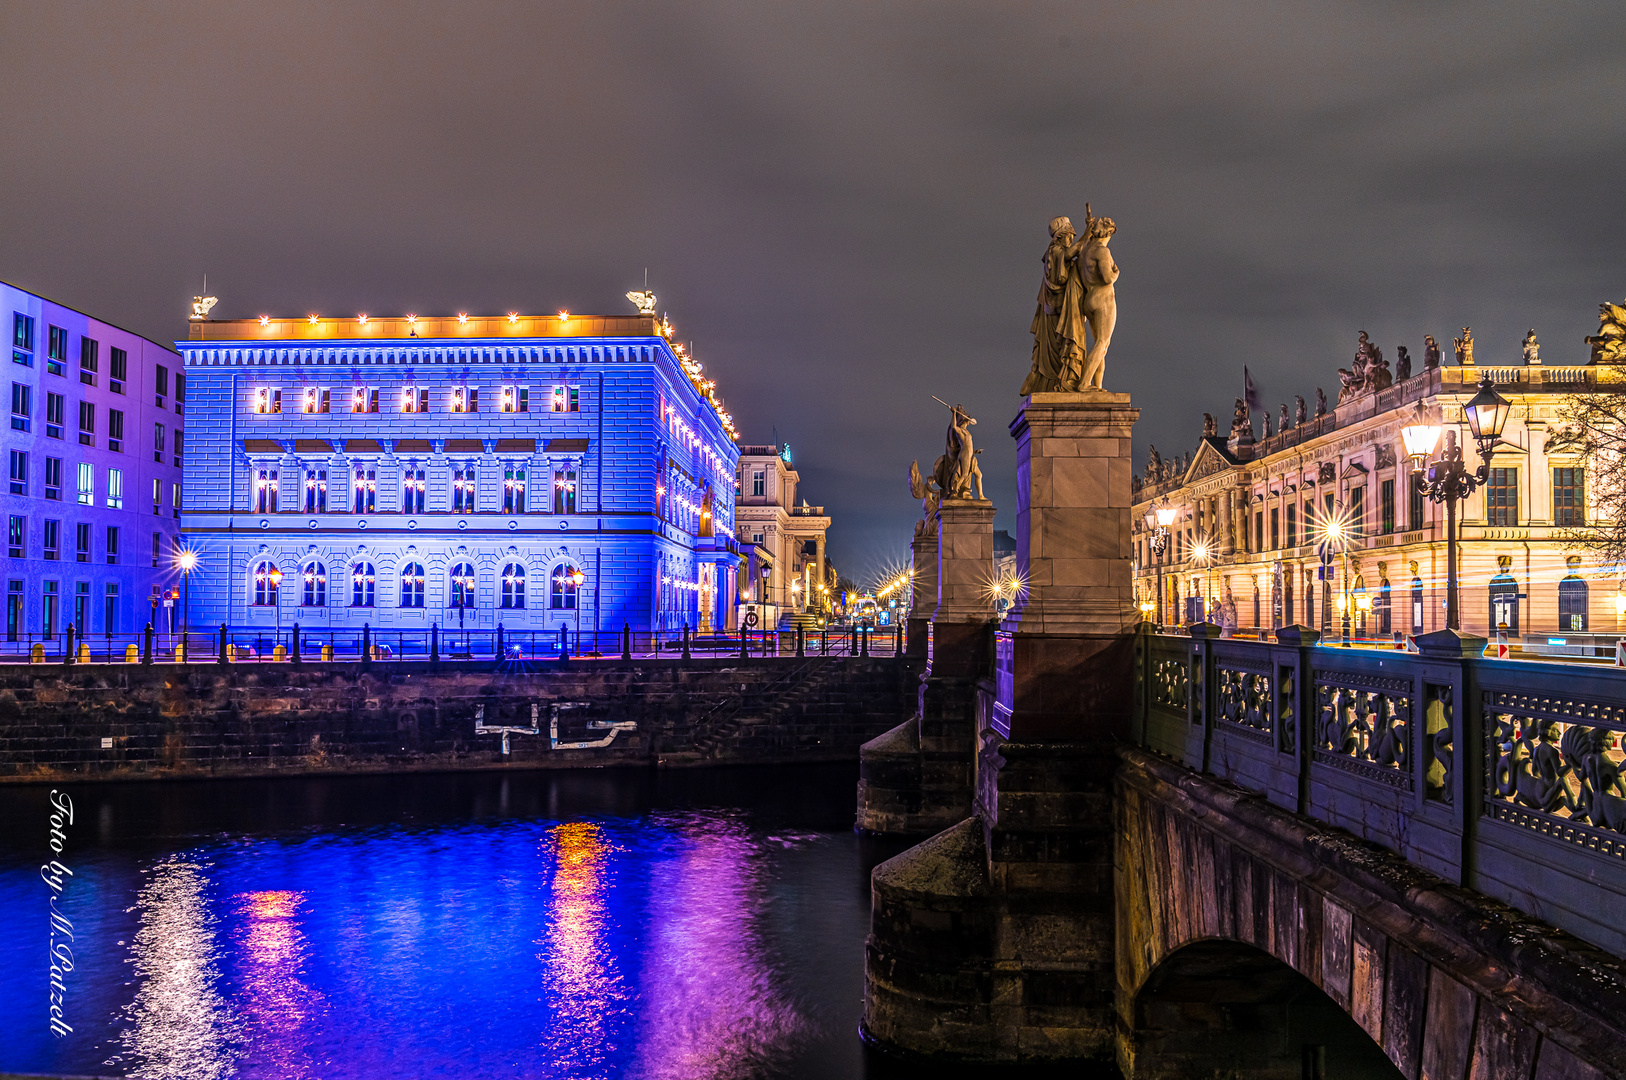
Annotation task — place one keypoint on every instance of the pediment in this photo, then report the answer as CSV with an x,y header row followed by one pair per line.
x,y
1207,462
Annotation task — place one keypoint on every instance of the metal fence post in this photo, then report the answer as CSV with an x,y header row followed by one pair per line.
x,y
626,641
146,645
68,656
221,659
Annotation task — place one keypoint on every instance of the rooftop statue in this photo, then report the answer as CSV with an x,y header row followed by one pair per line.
x,y
1465,347
1532,348
923,489
643,301
1402,364
1284,424
1320,402
201,306
1210,427
1075,294
1299,414
1431,353
1609,344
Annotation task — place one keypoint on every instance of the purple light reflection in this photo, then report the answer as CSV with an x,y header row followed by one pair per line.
x,y
278,1005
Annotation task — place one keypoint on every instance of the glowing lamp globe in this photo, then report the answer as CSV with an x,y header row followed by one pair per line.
x,y
1420,436
1165,516
1487,412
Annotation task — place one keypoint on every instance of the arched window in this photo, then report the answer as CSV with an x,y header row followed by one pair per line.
x,y
267,578
462,579
567,579
1416,605
315,578
1385,620
363,585
513,586
412,585
1504,603
1572,603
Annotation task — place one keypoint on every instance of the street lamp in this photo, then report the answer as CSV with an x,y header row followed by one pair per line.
x,y
186,560
1202,555
1158,520
1448,479
1336,531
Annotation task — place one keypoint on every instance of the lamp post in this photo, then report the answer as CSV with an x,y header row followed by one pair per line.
x,y
186,560
1336,532
1158,520
1448,479
1202,555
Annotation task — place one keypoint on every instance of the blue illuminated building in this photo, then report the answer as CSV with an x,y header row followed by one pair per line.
x,y
533,472
94,458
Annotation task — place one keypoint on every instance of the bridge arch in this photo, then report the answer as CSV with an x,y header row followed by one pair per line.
x,y
1215,1007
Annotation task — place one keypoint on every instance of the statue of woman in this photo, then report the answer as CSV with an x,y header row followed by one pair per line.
x,y
1058,326
1100,298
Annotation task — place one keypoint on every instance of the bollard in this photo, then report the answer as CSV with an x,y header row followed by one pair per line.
x,y
686,640
366,643
146,645
224,656
626,641
67,645
293,650
132,655
799,652
434,643
863,641
327,651
36,654
279,654
180,654
84,653
500,653
745,643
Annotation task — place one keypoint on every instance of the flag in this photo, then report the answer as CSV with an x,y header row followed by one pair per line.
x,y
1250,393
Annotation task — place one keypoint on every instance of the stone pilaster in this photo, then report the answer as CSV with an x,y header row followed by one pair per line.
x,y
922,587
965,570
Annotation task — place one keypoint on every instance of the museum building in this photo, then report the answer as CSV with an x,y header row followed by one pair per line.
x,y
1247,545
94,452
534,472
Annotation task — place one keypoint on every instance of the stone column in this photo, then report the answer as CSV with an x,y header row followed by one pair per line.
x,y
922,587
965,570
1064,647
1228,522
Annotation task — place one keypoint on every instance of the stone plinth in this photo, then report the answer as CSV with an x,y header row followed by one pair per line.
x,y
1064,648
965,570
922,587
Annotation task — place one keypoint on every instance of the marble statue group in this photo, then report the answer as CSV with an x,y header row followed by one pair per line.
x,y
1075,295
956,475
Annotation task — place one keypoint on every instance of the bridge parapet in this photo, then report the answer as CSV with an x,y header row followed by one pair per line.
x,y
1502,776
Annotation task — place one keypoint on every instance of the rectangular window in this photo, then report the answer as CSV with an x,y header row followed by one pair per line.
x,y
757,483
413,488
21,406
180,393
1569,496
158,444
81,542
1259,530
463,491
566,399
513,491
265,491
1502,498
1357,511
267,400
564,491
56,352
19,472
48,615
87,491
112,544
158,496
1414,494
365,486
160,383
315,491
177,458
53,478
110,608
317,400
1275,528
118,365
363,400
414,400
88,359
175,499
14,609
56,407
466,399
87,424
157,548
516,399
115,430
53,539
22,333
115,489
1292,526
1386,506
15,534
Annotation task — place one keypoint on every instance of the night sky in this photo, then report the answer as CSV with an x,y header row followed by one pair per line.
x,y
842,206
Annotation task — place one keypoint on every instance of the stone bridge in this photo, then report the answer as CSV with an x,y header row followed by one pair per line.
x,y
1215,858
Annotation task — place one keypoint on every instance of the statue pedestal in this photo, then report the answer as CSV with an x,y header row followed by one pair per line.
x,y
1063,652
922,588
965,570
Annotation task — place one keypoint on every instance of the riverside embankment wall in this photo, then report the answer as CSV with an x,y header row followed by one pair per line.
x,y
116,721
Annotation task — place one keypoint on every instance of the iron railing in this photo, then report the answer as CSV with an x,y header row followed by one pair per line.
x,y
1504,776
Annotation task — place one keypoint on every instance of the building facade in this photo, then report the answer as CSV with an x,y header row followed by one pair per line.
x,y
1248,549
94,450
541,473
785,572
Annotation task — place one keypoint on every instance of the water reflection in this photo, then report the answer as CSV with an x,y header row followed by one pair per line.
x,y
278,1004
582,985
714,1005
181,1027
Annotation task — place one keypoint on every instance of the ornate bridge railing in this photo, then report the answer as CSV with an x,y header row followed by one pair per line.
x,y
1503,776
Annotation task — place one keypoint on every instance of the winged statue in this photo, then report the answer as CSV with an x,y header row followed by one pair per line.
x,y
926,491
643,301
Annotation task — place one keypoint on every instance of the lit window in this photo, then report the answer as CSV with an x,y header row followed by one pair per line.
x,y
115,489
315,491
466,399
513,586
462,581
412,585
513,491
412,490
1569,498
365,487
267,400
363,400
16,534
564,491
363,585
567,580
414,400
267,581
463,491
317,400
56,349
315,581
515,399
265,491
566,399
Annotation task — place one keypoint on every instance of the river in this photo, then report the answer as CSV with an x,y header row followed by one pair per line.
x,y
670,925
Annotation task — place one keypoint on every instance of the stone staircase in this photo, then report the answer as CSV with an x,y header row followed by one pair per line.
x,y
765,706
